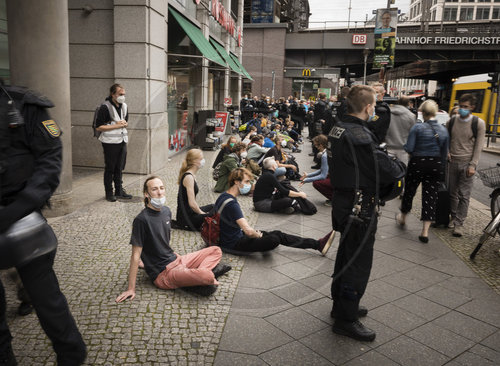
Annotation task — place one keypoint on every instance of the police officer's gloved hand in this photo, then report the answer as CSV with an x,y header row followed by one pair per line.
x,y
12,213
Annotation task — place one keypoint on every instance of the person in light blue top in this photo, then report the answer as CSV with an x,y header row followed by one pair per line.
x,y
427,146
320,178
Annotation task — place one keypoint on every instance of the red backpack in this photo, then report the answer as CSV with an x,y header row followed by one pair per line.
x,y
210,229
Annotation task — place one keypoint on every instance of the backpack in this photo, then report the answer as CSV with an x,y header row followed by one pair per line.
x,y
96,133
210,228
473,125
94,122
216,172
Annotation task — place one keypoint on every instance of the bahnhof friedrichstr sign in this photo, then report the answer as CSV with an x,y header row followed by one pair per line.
x,y
448,40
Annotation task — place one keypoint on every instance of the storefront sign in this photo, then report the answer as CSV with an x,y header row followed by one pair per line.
x,y
228,101
306,81
306,72
222,118
223,17
448,40
359,38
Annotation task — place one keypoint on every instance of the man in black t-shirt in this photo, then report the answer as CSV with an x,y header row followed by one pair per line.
x,y
151,242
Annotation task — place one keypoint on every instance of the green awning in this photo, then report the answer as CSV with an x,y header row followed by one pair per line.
x,y
245,73
195,34
226,57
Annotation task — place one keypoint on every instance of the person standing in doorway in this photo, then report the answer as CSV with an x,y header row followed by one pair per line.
x,y
112,123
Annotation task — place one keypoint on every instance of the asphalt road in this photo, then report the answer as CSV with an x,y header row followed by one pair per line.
x,y
480,192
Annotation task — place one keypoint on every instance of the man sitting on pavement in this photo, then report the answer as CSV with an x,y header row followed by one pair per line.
x,y
264,195
197,271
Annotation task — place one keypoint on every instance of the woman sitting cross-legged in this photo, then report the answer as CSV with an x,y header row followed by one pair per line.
x,y
320,178
238,237
267,189
190,215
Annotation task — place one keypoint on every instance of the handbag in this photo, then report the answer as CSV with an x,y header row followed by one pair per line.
x,y
210,228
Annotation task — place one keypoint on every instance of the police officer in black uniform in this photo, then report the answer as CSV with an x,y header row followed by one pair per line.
x,y
382,120
30,165
360,169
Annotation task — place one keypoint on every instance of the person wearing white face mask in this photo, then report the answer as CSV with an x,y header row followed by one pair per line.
x,y
150,240
112,123
236,234
190,215
467,134
230,162
360,172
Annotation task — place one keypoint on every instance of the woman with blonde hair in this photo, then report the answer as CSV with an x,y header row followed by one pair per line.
x,y
427,146
190,215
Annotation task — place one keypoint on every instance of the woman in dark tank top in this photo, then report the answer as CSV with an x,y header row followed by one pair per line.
x,y
190,215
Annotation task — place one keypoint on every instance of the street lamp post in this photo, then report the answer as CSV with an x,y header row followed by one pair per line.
x,y
366,52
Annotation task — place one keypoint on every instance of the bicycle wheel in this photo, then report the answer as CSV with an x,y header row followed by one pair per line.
x,y
495,204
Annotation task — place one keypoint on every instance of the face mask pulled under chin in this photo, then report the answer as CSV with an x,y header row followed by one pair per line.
x,y
158,202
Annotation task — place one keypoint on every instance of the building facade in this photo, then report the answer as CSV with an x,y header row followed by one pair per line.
x,y
454,10
173,57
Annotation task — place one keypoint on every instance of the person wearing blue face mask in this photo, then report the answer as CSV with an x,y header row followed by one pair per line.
x,y
238,237
467,134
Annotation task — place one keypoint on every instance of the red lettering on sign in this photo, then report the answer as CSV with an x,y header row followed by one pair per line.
x,y
359,39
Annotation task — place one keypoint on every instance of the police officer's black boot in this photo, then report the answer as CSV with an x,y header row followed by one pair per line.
x,y
120,193
355,330
110,197
7,357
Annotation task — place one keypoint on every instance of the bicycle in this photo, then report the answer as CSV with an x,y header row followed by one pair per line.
x,y
490,178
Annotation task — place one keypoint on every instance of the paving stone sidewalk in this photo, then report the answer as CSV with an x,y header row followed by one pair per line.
x,y
426,305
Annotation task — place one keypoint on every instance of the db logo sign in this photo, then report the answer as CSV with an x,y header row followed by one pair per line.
x,y
359,39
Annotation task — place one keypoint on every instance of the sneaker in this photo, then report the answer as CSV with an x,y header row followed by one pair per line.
x,y
317,166
355,330
458,231
122,194
201,290
288,210
362,312
451,225
325,245
110,198
399,219
328,203
221,269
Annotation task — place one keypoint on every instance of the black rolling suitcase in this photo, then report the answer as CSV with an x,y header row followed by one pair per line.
x,y
443,203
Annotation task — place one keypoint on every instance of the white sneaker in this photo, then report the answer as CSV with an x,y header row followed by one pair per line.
x,y
458,231
399,219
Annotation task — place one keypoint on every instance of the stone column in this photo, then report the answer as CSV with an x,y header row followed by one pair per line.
x,y
239,24
203,18
39,60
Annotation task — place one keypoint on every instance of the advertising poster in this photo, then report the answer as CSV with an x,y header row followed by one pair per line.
x,y
222,118
385,38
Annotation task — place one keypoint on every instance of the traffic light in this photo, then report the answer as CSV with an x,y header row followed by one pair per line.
x,y
493,81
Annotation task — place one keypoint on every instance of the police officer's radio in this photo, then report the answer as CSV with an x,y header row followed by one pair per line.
x,y
14,117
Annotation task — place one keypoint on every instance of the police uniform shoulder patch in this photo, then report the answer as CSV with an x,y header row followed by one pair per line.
x,y
336,132
52,128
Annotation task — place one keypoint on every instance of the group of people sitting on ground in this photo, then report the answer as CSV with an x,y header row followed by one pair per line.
x,y
352,146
